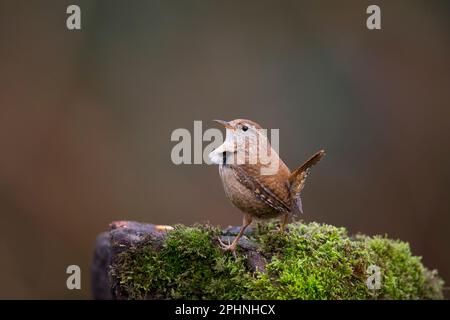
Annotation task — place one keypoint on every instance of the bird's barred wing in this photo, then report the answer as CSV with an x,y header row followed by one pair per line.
x,y
275,196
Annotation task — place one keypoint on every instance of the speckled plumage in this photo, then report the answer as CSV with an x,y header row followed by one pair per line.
x,y
261,196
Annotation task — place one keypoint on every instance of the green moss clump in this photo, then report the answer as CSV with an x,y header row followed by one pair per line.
x,y
189,265
404,275
311,261
315,262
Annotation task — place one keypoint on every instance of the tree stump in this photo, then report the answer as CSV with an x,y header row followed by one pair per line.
x,y
310,261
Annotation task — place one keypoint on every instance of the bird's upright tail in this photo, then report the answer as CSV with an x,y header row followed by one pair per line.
x,y
297,181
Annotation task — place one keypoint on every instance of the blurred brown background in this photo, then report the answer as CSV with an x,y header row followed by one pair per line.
x,y
86,118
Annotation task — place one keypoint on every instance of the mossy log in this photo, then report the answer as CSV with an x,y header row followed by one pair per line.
x,y
309,261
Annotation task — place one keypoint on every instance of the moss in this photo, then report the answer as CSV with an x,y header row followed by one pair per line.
x,y
315,262
403,275
311,261
189,265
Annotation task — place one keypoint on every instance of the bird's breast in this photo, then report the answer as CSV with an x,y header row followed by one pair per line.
x,y
242,197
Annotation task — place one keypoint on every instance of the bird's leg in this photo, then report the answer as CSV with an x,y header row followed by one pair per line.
x,y
284,222
232,247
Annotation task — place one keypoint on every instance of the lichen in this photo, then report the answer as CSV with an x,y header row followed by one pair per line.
x,y
311,261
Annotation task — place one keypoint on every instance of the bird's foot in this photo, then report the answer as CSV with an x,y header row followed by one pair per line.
x,y
228,247
282,229
283,224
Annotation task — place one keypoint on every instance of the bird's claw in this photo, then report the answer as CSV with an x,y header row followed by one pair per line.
x,y
228,247
282,229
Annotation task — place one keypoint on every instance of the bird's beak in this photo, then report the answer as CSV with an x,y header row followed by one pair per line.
x,y
226,124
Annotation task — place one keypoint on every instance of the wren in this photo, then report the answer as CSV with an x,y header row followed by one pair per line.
x,y
245,160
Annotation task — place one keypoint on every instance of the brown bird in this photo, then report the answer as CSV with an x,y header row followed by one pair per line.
x,y
255,179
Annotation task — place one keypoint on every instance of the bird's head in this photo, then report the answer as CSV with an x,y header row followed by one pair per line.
x,y
241,135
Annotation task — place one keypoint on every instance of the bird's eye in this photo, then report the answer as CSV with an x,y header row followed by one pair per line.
x,y
244,128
